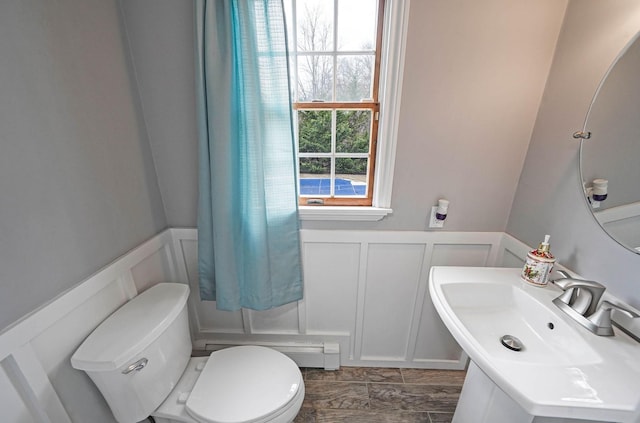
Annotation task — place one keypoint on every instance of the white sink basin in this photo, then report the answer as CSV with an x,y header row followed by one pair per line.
x,y
562,371
490,310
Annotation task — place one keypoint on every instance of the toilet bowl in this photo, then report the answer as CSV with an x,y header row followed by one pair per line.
x,y
139,358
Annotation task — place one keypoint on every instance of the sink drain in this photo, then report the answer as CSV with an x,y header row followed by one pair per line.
x,y
512,342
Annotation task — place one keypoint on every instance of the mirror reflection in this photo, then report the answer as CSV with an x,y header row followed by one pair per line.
x,y
610,159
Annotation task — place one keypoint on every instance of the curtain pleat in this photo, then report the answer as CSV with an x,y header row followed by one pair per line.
x,y
248,228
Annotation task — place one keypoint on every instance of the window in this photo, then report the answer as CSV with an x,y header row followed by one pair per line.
x,y
335,62
346,71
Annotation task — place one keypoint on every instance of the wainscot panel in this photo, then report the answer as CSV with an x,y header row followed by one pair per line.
x,y
392,281
13,406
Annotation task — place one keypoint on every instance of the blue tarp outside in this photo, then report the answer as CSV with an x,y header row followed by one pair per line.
x,y
321,186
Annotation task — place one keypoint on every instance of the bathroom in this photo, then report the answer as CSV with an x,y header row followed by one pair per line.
x,y
99,144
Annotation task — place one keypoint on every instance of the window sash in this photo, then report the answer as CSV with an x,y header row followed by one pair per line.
x,y
332,199
372,104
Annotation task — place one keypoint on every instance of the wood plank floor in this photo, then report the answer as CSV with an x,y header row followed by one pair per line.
x,y
377,395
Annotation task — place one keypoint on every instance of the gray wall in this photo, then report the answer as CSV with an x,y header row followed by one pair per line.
x,y
161,39
473,80
77,177
77,182
549,198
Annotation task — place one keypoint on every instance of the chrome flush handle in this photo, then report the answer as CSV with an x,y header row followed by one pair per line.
x,y
137,366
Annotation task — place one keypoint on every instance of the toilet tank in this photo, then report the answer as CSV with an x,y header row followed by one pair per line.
x,y
137,355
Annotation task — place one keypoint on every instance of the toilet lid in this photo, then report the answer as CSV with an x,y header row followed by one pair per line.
x,y
243,384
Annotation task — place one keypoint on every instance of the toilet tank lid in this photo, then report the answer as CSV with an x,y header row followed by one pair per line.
x,y
131,328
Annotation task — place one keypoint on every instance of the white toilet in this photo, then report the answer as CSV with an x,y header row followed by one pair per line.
x,y
139,358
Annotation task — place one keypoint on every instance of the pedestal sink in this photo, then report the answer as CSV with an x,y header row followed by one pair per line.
x,y
529,361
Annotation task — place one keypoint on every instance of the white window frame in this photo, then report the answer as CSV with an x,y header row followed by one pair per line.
x,y
394,37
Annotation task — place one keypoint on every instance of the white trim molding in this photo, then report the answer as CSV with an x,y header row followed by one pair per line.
x,y
394,43
351,213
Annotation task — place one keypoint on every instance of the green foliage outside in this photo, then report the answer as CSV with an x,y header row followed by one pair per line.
x,y
314,131
352,131
352,136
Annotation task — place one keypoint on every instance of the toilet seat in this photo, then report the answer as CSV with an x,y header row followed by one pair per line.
x,y
244,384
248,384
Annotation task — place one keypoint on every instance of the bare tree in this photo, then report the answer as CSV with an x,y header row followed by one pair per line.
x,y
354,76
315,70
315,66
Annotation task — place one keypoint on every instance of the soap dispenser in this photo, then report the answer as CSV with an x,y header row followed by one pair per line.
x,y
539,264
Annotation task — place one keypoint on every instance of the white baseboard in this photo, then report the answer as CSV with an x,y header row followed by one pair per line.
x,y
322,355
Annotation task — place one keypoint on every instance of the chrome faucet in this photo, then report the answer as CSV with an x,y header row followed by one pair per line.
x,y
581,296
580,301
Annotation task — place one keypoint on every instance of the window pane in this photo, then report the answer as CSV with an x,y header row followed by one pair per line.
x,y
315,77
315,176
314,25
352,131
356,24
314,131
351,176
354,75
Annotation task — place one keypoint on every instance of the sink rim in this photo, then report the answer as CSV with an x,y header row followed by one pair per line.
x,y
608,390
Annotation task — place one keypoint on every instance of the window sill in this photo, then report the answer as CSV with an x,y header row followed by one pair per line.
x,y
354,213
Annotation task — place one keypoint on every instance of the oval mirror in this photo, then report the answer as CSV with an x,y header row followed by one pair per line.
x,y
610,157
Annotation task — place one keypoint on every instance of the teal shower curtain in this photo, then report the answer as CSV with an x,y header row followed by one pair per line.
x,y
248,230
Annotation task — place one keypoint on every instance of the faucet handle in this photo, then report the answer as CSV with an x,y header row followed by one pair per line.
x,y
567,282
602,317
569,295
565,275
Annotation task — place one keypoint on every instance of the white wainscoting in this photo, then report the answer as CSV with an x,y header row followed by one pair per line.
x,y
365,291
366,303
